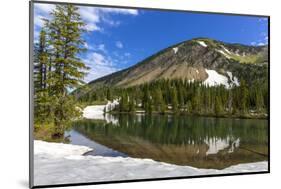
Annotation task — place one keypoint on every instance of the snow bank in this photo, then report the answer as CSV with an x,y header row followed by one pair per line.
x,y
175,49
111,105
58,150
94,112
69,166
214,78
202,43
97,111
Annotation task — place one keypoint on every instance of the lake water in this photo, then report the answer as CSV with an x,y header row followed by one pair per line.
x,y
201,142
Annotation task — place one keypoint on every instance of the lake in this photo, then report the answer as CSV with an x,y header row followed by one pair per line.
x,y
201,142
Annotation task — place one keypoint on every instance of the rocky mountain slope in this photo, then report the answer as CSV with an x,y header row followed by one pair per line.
x,y
201,59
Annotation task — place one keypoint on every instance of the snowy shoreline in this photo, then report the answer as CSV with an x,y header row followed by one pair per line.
x,y
57,163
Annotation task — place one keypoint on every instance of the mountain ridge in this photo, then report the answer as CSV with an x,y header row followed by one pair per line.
x,y
194,60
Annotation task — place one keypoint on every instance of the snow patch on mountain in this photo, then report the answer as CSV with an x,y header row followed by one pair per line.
x,y
175,49
214,79
225,49
237,54
202,43
223,53
233,79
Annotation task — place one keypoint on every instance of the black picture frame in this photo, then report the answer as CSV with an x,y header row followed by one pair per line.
x,y
31,138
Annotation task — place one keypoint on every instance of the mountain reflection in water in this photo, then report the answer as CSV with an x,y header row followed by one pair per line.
x,y
201,142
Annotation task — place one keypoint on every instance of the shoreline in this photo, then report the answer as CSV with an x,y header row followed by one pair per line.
x,y
188,114
98,110
58,163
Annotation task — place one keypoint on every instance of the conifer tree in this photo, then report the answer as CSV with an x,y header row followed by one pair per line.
x,y
259,100
65,31
174,98
41,100
132,105
218,105
243,96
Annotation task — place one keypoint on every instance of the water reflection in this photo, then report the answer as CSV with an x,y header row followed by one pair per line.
x,y
184,140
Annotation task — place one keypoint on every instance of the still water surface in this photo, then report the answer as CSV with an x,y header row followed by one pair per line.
x,y
201,142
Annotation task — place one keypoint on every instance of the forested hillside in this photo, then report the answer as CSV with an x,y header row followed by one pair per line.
x,y
183,96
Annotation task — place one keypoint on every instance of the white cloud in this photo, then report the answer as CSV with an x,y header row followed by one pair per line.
x,y
263,39
258,43
87,46
99,66
97,58
44,8
99,71
121,11
253,43
91,17
101,47
119,44
89,14
41,11
38,21
94,16
261,44
112,22
92,27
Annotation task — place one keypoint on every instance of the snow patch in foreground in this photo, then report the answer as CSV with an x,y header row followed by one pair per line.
x,y
214,79
58,150
202,43
69,166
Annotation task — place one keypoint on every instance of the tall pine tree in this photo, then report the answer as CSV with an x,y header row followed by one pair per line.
x,y
41,102
67,71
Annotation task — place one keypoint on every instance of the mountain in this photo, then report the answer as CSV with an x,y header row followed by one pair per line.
x,y
201,59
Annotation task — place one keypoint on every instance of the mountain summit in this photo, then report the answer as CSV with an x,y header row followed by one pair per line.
x,y
201,59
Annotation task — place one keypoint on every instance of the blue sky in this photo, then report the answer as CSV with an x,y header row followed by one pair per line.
x,y
119,38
